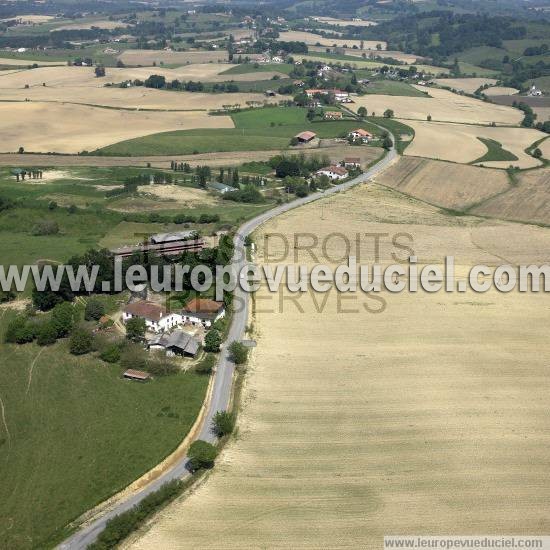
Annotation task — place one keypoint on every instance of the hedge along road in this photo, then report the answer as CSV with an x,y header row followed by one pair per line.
x,y
223,376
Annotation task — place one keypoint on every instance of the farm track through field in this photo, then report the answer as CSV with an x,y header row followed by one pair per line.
x,y
4,421
31,370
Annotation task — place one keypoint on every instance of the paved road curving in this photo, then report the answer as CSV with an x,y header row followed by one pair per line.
x,y
221,394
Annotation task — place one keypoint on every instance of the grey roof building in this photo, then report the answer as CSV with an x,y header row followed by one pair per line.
x,y
176,343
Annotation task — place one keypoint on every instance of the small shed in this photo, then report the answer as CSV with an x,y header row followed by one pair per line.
x,y
305,137
139,375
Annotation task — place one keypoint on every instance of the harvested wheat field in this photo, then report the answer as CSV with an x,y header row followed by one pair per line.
x,y
459,143
148,57
500,90
429,417
99,24
177,195
67,128
443,105
316,39
529,201
545,147
136,98
31,19
408,58
453,186
345,22
231,158
18,62
468,85
63,76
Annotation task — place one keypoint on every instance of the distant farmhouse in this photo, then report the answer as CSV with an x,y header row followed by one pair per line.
x,y
220,187
361,134
334,172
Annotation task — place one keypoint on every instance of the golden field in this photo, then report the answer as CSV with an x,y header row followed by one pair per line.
x,y
149,57
68,128
468,85
428,417
528,201
459,143
315,39
442,105
445,184
344,22
500,90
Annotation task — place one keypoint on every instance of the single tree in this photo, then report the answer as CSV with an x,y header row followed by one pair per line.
x,y
224,423
46,334
63,318
81,342
362,111
135,329
202,454
388,113
239,353
212,341
94,310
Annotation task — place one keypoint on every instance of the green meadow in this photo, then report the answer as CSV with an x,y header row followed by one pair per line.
x,y
75,433
255,130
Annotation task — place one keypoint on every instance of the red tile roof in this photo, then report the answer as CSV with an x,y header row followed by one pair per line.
x,y
146,310
202,305
340,170
361,132
306,136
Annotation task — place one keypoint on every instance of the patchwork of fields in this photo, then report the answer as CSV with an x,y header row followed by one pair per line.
x,y
460,143
441,105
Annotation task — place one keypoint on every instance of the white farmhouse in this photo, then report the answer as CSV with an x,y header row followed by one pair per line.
x,y
157,319
334,172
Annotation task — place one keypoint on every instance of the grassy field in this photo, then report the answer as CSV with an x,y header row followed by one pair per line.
x,y
77,433
98,217
495,152
395,413
393,87
255,130
402,133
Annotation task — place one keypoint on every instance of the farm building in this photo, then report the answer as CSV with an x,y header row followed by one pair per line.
x,y
352,162
203,311
139,375
176,343
333,115
166,248
360,134
334,172
157,319
306,137
160,238
221,187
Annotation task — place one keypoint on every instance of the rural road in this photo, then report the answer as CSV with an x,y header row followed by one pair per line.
x,y
223,381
